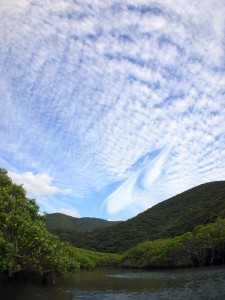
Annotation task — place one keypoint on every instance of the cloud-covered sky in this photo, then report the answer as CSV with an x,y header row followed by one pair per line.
x,y
108,107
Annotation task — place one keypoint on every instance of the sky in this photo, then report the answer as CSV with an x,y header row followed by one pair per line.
x,y
109,107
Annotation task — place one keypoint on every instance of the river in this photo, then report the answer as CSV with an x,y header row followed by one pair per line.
x,y
99,284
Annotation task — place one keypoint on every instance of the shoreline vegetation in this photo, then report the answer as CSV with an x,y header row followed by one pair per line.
x,y
28,248
199,205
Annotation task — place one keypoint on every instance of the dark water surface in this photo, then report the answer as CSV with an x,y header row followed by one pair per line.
x,y
197,283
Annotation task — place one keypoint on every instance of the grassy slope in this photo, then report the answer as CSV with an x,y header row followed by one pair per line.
x,y
172,217
58,221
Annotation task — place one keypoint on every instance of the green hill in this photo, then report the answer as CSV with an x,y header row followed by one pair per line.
x,y
58,221
172,217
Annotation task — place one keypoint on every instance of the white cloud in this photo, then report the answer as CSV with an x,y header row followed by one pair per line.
x,y
37,184
129,196
155,168
123,197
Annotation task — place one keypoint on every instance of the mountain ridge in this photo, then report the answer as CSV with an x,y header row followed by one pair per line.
x,y
181,213
55,221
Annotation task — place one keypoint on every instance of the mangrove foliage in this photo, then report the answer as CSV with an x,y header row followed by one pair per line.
x,y
197,206
205,245
25,243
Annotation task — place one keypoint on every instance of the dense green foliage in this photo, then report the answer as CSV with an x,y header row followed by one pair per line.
x,y
197,206
205,245
26,244
58,221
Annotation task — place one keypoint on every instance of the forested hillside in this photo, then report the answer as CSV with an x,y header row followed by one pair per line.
x,y
182,231
175,216
58,221
205,245
25,243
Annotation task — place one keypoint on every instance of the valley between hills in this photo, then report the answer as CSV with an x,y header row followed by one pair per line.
x,y
177,215
183,231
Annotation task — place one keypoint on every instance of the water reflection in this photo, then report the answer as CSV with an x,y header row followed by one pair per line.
x,y
204,283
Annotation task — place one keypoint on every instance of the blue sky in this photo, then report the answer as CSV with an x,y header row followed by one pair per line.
x,y
109,107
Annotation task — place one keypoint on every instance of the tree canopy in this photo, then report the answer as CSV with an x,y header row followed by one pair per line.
x,y
205,245
172,217
26,244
